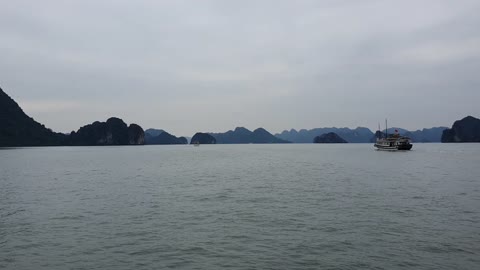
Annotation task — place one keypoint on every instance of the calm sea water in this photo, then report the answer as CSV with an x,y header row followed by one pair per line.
x,y
240,207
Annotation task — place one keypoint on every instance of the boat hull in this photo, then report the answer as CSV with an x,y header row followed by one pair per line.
x,y
405,147
394,148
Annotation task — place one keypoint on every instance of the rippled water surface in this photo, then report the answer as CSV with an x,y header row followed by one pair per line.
x,y
240,207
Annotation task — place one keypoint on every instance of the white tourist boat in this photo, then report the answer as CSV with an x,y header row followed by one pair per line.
x,y
392,142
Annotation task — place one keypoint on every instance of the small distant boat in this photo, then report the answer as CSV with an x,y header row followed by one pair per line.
x,y
196,143
392,142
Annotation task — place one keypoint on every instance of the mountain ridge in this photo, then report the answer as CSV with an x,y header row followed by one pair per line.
x,y
19,129
154,131
241,135
164,138
359,134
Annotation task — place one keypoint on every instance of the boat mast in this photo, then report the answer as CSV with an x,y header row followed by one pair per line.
x,y
386,128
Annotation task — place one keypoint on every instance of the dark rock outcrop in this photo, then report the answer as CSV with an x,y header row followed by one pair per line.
x,y
18,129
136,135
330,137
242,135
112,132
164,138
465,130
203,138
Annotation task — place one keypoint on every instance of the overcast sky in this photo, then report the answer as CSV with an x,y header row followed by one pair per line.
x,y
187,66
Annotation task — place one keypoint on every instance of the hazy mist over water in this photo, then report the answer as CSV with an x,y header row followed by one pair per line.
x,y
240,207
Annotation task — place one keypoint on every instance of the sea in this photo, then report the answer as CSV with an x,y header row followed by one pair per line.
x,y
289,206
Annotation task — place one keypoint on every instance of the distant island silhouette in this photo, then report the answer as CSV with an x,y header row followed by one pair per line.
x,y
112,132
360,134
158,136
203,138
18,129
330,137
241,135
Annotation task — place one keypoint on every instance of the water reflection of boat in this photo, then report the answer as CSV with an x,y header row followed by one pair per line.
x,y
392,142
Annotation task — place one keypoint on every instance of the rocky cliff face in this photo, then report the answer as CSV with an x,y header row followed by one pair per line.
x,y
136,135
18,129
112,132
329,138
465,130
203,138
